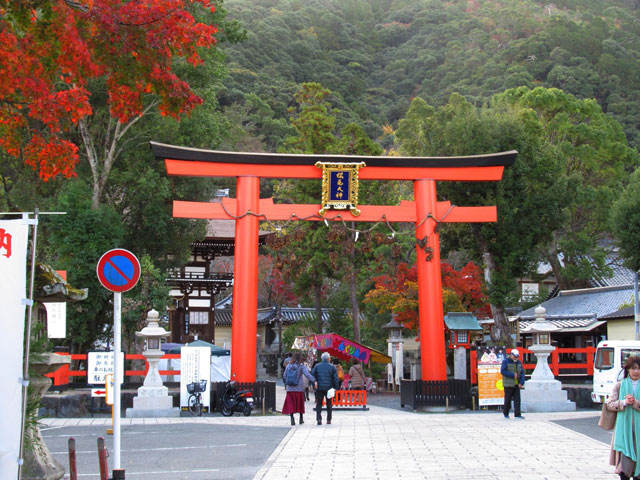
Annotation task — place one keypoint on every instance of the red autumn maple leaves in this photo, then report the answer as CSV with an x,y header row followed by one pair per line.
x,y
399,293
51,50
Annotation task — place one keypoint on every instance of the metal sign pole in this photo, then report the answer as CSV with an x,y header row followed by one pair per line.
x,y
118,374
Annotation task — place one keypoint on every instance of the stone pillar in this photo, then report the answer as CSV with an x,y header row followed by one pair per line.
x,y
460,363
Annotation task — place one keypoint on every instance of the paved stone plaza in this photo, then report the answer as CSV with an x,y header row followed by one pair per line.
x,y
386,443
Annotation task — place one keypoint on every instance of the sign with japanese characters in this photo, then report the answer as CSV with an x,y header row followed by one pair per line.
x,y
100,364
195,365
340,186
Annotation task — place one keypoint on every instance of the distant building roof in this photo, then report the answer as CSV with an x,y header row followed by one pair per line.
x,y
289,315
461,321
589,302
621,276
565,323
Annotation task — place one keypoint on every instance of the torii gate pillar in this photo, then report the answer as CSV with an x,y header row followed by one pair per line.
x,y
244,327
247,209
432,344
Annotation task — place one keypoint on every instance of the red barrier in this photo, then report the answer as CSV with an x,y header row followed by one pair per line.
x,y
349,398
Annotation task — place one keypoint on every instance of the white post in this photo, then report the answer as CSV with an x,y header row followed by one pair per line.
x,y
117,377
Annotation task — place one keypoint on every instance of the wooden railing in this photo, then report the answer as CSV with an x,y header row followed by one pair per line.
x,y
64,374
557,363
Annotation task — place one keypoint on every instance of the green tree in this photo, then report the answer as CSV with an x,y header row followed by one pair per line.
x,y
626,222
527,198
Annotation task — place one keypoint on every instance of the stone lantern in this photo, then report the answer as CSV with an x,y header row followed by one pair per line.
x,y
153,398
395,349
543,393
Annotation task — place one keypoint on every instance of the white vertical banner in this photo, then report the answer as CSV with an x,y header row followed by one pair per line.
x,y
56,319
14,235
195,365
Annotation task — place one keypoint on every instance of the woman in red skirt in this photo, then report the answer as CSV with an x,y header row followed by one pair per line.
x,y
293,374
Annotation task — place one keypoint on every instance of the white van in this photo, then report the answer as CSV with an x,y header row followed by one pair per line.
x,y
607,365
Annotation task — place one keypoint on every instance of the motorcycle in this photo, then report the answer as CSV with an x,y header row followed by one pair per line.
x,y
234,400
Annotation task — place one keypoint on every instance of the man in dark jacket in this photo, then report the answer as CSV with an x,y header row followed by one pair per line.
x,y
512,381
326,377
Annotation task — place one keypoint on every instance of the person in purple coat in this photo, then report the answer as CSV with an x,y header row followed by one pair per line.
x,y
294,401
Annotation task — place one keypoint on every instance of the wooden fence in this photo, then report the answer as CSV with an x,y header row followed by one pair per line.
x,y
434,393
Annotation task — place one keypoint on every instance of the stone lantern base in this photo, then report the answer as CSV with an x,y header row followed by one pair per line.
x,y
545,396
153,402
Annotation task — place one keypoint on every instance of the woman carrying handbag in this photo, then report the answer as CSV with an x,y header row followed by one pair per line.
x,y
625,400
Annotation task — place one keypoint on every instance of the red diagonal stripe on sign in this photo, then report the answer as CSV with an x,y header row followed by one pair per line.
x,y
118,270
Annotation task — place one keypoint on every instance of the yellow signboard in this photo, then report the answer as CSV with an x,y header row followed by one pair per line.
x,y
490,388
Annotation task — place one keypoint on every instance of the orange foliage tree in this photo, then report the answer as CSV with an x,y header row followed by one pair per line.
x,y
50,51
462,291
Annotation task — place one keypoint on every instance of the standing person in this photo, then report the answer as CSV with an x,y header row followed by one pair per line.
x,y
512,381
336,362
358,377
294,384
625,444
285,361
326,377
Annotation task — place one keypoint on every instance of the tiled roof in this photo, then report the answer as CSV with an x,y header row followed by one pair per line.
x,y
590,302
621,276
626,312
565,323
290,315
461,321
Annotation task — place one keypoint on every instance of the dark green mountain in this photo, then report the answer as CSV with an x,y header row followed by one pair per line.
x,y
376,55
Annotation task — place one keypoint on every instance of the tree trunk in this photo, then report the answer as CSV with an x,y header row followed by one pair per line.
x,y
353,292
355,308
500,331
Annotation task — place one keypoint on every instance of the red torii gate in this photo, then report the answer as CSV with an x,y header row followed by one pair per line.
x,y
248,208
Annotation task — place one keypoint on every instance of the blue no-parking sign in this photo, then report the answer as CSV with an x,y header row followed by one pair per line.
x,y
118,270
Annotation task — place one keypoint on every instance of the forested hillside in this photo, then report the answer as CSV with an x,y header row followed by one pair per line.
x,y
376,55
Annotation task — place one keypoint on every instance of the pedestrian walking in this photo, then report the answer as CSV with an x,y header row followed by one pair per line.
x,y
294,385
358,377
326,377
625,444
512,381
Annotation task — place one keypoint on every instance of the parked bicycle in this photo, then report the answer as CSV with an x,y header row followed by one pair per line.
x,y
195,390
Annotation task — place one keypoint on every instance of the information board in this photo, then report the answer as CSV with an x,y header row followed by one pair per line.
x,y
490,389
195,365
100,364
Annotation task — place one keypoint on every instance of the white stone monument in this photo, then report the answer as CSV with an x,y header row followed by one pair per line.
x,y
153,399
543,393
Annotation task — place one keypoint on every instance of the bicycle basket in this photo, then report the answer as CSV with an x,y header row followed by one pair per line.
x,y
196,387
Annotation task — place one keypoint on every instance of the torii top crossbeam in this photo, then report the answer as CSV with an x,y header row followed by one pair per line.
x,y
248,208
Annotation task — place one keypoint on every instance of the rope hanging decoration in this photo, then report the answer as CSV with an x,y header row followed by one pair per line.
x,y
383,221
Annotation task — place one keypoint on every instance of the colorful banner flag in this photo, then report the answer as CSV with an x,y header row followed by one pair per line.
x,y
13,280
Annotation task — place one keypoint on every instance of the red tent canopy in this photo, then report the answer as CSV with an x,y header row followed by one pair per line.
x,y
341,347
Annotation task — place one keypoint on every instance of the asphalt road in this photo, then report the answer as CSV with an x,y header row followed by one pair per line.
x,y
587,426
179,451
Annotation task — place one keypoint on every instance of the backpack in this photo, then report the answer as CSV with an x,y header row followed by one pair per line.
x,y
340,373
292,375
